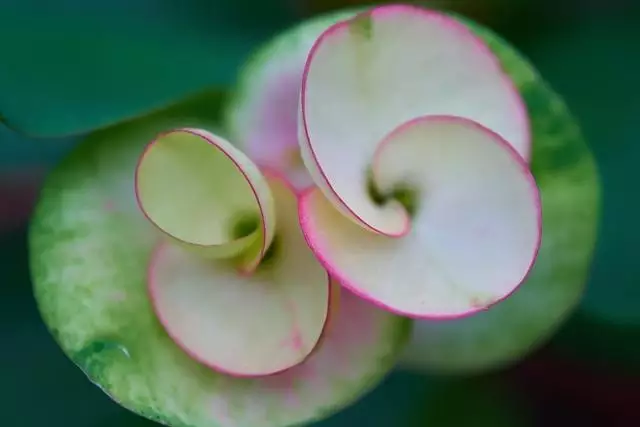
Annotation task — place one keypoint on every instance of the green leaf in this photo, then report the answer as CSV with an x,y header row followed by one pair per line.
x,y
75,66
606,328
89,252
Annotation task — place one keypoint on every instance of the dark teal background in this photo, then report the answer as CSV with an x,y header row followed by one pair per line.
x,y
589,51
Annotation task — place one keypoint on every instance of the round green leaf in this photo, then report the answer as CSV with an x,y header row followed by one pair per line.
x,y
90,247
606,327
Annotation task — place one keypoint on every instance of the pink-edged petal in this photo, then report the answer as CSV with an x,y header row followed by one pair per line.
x,y
245,325
206,195
475,230
366,76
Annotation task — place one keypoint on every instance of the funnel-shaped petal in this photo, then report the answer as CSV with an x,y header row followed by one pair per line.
x,y
366,76
475,229
245,326
207,195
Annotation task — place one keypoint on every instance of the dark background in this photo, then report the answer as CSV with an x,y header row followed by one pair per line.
x,y
588,50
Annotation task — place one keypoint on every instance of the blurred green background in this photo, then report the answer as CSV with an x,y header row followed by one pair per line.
x,y
58,57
